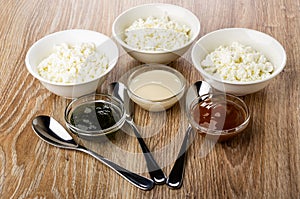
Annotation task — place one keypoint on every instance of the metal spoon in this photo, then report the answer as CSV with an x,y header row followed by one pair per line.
x,y
52,132
119,90
176,175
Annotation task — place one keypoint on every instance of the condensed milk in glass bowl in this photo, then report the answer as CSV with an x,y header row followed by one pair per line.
x,y
155,87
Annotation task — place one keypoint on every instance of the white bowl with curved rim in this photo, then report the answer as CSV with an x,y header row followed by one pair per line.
x,y
174,12
44,47
261,42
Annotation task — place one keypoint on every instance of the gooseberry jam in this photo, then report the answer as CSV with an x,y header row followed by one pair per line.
x,y
95,116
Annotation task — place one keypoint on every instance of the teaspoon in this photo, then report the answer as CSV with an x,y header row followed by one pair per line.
x,y
52,132
176,175
119,90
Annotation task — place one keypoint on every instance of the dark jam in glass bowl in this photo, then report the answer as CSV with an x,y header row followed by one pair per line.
x,y
219,116
94,116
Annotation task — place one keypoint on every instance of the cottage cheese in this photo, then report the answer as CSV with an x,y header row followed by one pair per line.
x,y
157,34
73,63
237,62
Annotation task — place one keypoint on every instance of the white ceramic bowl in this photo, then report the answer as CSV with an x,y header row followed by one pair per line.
x,y
262,42
43,48
176,13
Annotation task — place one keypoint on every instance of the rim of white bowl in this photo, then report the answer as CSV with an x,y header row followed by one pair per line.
x,y
111,64
120,41
275,73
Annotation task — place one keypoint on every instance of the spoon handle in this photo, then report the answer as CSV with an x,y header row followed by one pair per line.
x,y
154,169
176,175
135,179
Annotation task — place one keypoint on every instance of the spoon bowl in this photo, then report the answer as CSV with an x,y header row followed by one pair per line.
x,y
49,130
52,132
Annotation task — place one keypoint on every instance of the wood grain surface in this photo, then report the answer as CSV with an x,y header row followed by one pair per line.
x,y
264,162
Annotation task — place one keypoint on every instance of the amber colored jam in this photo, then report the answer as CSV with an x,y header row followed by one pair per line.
x,y
219,116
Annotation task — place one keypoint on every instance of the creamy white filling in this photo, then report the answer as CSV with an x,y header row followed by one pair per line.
x,y
237,62
157,34
73,63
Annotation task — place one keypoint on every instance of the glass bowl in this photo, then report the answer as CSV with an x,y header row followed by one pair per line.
x,y
95,115
155,87
218,116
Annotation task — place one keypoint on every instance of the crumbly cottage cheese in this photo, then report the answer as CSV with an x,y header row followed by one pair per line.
x,y
237,62
73,63
157,34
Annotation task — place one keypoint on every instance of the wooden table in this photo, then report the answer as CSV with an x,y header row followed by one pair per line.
x,y
264,162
